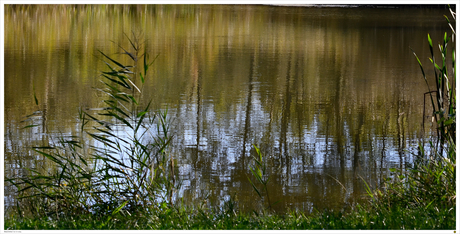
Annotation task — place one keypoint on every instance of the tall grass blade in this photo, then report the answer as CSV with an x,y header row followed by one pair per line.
x,y
132,44
255,188
49,156
35,95
120,207
117,63
31,126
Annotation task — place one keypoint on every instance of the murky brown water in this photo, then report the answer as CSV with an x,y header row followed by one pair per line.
x,y
331,95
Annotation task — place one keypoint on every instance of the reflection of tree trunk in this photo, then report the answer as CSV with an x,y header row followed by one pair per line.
x,y
400,129
339,126
357,144
328,122
270,122
247,121
339,120
384,136
286,110
196,76
299,99
44,113
198,112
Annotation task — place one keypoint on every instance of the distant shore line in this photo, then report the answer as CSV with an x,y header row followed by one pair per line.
x,y
364,5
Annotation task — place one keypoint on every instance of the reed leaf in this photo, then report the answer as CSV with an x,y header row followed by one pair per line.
x,y
255,188
120,207
113,114
122,82
117,63
141,115
35,96
114,107
132,44
31,126
109,133
51,157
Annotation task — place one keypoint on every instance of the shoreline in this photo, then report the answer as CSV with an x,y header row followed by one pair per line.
x,y
363,5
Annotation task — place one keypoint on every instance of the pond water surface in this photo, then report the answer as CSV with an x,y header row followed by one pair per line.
x,y
332,96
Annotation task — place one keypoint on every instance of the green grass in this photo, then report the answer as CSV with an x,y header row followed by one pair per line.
x,y
170,218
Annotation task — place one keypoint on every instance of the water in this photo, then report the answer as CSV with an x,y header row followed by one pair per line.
x,y
332,96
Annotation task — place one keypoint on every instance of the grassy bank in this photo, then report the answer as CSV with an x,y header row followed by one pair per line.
x,y
129,181
371,217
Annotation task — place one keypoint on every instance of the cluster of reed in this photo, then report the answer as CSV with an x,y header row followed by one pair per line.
x,y
429,185
118,162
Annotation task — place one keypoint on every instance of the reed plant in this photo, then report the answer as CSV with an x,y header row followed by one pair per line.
x,y
119,161
260,173
428,187
443,97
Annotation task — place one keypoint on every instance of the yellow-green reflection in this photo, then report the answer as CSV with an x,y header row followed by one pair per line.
x,y
330,95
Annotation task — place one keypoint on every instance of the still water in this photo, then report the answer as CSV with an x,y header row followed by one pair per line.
x,y
332,96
